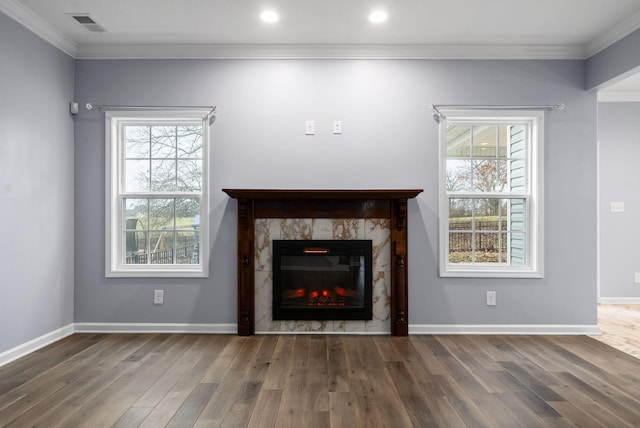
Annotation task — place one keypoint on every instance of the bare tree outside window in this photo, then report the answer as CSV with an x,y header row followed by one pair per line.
x,y
162,162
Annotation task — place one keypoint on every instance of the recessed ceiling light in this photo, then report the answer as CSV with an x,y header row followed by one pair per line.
x,y
378,16
269,16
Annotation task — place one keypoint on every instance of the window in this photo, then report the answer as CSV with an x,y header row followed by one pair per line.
x,y
491,193
156,188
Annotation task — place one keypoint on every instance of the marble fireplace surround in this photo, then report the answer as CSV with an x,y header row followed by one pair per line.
x,y
390,204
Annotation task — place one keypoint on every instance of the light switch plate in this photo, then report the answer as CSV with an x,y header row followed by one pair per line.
x,y
310,127
616,207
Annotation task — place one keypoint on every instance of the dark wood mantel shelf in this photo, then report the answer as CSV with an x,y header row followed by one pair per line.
x,y
320,203
321,194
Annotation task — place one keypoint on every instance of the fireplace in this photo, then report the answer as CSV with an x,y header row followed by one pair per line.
x,y
322,280
388,204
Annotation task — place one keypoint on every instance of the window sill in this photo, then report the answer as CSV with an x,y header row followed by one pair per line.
x,y
476,273
156,273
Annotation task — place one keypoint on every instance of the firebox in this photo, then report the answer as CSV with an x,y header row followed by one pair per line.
x,y
322,280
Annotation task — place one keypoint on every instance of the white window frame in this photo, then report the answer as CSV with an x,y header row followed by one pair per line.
x,y
534,121
115,194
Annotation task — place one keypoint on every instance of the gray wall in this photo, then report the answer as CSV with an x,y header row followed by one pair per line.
x,y
614,63
36,187
619,136
389,140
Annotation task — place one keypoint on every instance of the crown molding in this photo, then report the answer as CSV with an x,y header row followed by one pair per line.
x,y
23,15
613,35
325,51
618,97
38,26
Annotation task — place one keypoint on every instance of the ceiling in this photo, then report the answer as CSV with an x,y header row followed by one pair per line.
x,y
531,29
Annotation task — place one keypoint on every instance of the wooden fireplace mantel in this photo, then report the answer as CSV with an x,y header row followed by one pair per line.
x,y
321,194
317,203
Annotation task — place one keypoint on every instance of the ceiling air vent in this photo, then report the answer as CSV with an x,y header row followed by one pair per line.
x,y
87,22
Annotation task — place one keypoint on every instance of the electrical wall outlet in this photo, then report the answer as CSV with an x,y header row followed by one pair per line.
x,y
337,127
158,297
637,278
491,298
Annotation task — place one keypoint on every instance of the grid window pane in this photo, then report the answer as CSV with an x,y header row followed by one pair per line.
x,y
483,230
485,141
187,213
163,175
458,141
161,214
187,247
137,177
487,175
137,140
189,177
460,247
135,247
189,141
163,142
458,175
161,231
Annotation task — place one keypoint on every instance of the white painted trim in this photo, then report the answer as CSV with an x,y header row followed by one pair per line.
x,y
416,329
33,345
115,121
90,327
506,329
618,97
38,26
598,240
613,35
533,120
325,51
619,300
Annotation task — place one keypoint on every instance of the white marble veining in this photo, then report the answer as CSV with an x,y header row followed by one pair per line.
x,y
377,230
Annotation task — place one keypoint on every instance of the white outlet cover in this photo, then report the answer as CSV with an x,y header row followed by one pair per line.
x,y
491,298
158,297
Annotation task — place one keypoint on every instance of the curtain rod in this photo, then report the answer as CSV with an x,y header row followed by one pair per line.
x,y
438,114
90,106
210,114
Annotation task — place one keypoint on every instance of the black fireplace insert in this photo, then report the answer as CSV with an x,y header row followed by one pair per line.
x,y
322,280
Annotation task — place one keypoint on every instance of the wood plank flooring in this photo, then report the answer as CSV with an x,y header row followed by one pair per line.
x,y
178,380
620,327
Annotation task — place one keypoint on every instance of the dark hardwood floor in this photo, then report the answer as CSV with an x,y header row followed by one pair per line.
x,y
183,380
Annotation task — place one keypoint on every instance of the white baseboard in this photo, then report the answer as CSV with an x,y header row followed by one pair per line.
x,y
90,327
619,300
49,338
33,345
504,329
